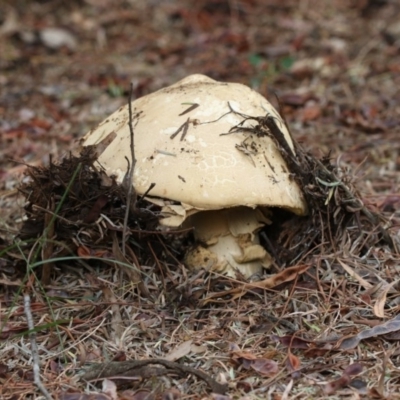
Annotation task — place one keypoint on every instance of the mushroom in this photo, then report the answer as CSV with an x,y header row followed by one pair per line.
x,y
220,182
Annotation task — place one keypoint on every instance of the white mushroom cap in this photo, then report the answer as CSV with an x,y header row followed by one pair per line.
x,y
184,146
202,167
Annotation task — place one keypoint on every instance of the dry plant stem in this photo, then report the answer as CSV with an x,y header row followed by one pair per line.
x,y
48,245
34,349
129,176
100,371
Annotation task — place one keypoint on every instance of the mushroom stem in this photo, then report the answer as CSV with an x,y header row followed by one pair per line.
x,y
228,242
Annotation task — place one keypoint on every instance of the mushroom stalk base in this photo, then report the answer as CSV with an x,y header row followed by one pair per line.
x,y
228,242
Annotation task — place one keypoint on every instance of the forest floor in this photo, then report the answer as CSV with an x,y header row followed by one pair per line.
x,y
332,68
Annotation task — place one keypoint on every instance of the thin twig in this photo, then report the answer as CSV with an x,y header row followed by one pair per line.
x,y
34,349
100,371
131,194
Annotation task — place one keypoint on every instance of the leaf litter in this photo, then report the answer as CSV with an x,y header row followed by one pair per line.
x,y
79,212
336,288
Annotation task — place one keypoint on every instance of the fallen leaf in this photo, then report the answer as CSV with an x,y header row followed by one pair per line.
x,y
311,113
40,123
354,275
286,275
383,329
110,388
337,384
182,350
353,369
293,364
363,120
312,349
86,252
265,366
344,380
83,251
96,209
119,356
293,341
244,358
379,306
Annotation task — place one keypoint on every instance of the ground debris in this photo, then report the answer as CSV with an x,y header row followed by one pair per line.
x,y
75,210
79,210
335,71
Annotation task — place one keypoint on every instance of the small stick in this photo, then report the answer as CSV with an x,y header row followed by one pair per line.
x,y
131,195
191,108
101,371
34,349
184,127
